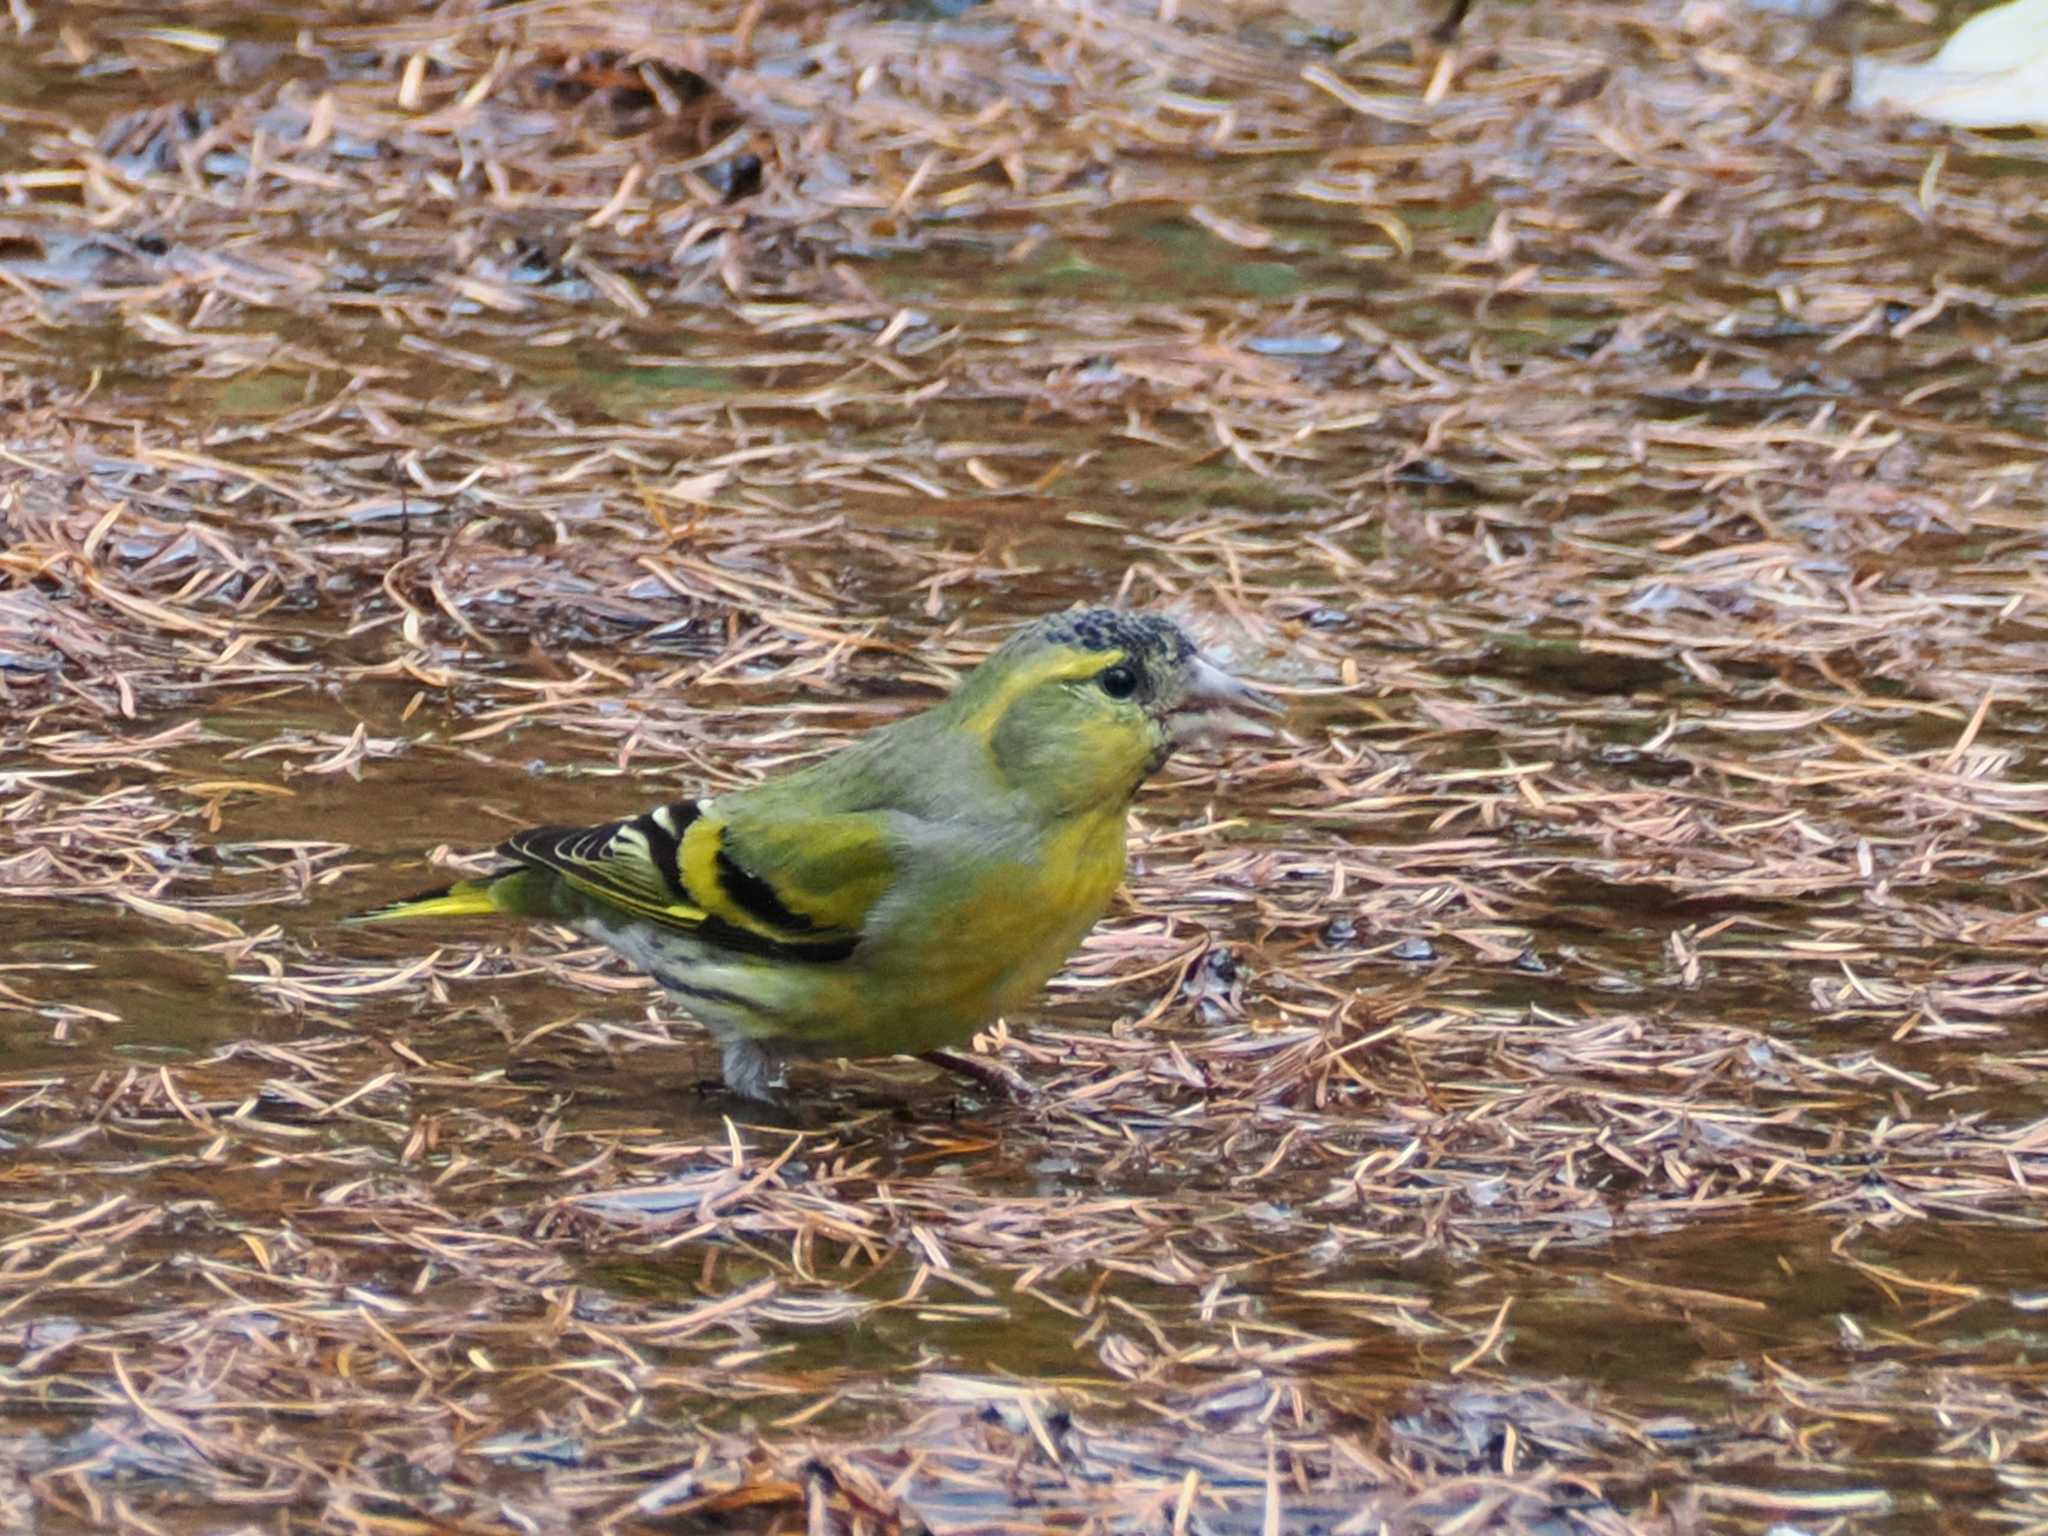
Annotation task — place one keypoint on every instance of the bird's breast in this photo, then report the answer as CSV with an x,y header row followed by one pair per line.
x,y
971,931
988,943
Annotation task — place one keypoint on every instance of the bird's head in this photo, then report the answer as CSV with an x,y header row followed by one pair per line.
x,y
1080,707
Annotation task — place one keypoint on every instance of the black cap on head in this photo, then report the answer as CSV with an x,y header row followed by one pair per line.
x,y
1139,635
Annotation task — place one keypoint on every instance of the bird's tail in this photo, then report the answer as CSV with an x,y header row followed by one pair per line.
x,y
465,898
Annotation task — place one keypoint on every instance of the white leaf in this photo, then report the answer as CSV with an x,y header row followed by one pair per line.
x,y
1993,73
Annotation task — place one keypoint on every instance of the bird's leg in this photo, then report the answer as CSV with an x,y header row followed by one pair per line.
x,y
752,1071
1005,1082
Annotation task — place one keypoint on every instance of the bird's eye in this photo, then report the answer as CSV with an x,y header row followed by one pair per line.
x,y
1118,682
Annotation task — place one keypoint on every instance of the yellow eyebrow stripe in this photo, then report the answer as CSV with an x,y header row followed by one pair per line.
x,y
1068,663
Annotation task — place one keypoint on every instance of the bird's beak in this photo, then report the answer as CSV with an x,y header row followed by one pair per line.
x,y
1215,705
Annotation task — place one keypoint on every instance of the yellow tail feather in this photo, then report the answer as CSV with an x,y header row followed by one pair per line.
x,y
465,898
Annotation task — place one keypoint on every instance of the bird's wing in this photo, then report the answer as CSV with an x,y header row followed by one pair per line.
x,y
796,875
800,885
631,863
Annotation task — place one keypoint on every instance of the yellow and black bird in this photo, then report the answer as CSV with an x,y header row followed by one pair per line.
x,y
895,897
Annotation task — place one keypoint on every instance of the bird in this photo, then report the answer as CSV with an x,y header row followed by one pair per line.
x,y
898,895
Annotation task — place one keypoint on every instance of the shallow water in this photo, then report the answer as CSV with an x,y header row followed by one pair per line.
x,y
1621,1107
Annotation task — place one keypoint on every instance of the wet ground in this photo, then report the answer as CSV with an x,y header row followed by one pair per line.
x,y
1588,1077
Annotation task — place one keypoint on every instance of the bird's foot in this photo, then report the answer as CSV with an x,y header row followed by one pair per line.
x,y
753,1076
1004,1082
781,1113
770,1107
